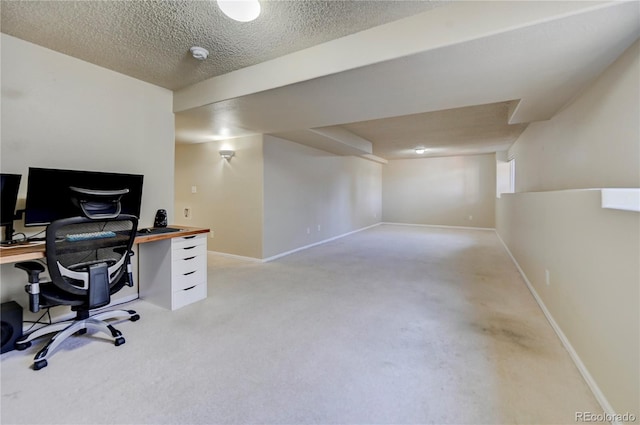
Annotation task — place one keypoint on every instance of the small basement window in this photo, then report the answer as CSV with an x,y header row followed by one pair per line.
x,y
505,177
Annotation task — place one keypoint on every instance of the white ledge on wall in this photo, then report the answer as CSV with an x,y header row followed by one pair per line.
x,y
621,199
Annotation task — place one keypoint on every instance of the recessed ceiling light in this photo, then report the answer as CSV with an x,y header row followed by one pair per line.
x,y
420,150
240,10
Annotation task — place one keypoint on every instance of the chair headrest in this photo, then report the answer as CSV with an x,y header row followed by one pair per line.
x,y
98,204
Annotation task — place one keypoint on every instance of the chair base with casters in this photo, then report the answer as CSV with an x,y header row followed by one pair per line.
x,y
76,326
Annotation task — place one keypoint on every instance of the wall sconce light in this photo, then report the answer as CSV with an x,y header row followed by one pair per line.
x,y
227,154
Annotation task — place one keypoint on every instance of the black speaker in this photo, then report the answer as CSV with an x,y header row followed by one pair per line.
x,y
161,219
11,320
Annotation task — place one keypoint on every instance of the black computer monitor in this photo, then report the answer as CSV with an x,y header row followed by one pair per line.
x,y
9,186
49,196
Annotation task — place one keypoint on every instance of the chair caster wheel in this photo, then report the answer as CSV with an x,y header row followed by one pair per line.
x,y
135,317
39,364
22,345
119,341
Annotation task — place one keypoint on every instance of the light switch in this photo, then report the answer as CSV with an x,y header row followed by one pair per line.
x,y
194,189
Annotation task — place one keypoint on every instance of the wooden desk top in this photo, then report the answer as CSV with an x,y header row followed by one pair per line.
x,y
184,231
35,250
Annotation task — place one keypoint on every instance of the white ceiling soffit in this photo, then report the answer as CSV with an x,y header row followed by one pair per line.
x,y
540,54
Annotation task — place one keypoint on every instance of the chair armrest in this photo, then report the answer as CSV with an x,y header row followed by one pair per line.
x,y
122,251
33,269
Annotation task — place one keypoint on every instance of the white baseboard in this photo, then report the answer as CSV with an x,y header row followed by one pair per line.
x,y
274,257
283,254
600,397
238,257
265,260
440,226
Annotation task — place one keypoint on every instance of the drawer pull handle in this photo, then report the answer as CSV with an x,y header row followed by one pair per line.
x,y
187,274
189,247
188,237
189,258
191,287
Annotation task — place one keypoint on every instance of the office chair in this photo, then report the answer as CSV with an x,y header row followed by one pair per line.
x,y
88,259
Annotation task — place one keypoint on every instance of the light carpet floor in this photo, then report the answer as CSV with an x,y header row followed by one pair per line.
x,y
394,324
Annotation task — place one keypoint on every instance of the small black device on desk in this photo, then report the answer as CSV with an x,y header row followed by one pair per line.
x,y
160,219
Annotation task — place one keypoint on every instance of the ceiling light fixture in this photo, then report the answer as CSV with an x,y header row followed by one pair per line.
x,y
199,53
420,150
240,10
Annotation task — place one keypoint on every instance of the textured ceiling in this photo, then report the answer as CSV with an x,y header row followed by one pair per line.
x,y
150,40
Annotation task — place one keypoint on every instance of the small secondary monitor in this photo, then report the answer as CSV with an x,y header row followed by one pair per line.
x,y
9,186
49,196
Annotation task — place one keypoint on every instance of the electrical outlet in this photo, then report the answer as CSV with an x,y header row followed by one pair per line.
x,y
194,189
470,217
308,230
187,213
547,277
318,227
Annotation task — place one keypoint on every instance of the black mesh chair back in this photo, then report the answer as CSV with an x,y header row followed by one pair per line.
x,y
89,259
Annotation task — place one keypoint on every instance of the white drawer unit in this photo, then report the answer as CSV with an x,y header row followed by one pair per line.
x,y
173,272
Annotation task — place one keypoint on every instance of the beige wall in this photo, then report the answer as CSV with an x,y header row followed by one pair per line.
x,y
274,196
311,195
440,191
593,142
61,112
592,255
228,198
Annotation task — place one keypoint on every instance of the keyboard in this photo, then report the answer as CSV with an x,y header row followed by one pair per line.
x,y
88,236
